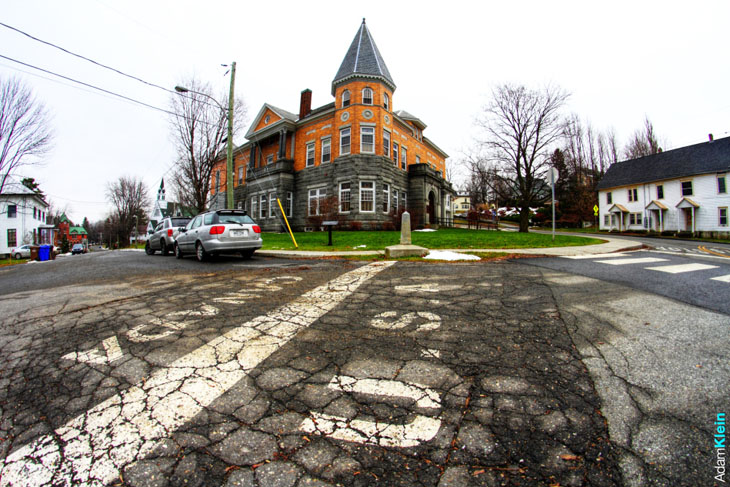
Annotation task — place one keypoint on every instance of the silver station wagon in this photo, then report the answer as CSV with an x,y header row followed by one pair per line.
x,y
219,232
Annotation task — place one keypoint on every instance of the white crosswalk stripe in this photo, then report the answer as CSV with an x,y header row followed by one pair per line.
x,y
681,268
725,278
639,260
594,256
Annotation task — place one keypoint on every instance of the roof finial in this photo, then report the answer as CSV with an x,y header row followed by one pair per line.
x,y
363,20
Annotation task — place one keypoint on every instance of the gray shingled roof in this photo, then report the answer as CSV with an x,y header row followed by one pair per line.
x,y
363,59
704,158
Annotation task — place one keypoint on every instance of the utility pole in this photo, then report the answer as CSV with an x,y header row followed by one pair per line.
x,y
229,159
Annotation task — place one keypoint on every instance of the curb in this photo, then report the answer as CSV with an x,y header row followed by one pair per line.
x,y
611,245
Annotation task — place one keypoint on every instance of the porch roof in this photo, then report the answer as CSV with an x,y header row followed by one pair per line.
x,y
616,208
655,205
687,203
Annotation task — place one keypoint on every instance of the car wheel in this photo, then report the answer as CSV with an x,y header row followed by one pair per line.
x,y
178,252
17,256
163,248
200,252
247,254
147,249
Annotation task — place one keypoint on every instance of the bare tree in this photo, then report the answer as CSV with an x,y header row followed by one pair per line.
x,y
586,155
25,129
643,143
200,128
521,125
129,197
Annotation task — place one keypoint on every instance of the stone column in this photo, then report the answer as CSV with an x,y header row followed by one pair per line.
x,y
405,228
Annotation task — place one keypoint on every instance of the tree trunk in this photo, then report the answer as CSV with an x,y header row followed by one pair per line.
x,y
525,219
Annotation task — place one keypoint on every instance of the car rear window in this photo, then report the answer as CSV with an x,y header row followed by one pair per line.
x,y
234,218
180,222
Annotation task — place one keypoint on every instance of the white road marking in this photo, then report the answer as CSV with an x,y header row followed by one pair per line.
x,y
639,260
419,430
136,335
680,268
92,448
423,288
725,278
431,352
112,352
594,256
434,320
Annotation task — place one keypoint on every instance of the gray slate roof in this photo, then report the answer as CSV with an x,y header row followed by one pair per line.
x,y
363,59
704,158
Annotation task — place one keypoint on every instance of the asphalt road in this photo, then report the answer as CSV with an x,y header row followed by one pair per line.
x,y
337,373
118,265
689,276
294,373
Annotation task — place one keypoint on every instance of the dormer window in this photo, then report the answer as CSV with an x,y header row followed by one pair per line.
x,y
386,101
367,96
345,98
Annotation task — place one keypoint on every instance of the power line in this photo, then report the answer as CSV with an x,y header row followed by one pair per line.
x,y
90,86
101,64
86,58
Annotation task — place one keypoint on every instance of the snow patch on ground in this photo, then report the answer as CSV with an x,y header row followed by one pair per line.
x,y
448,255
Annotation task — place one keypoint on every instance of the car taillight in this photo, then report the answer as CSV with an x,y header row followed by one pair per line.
x,y
169,232
217,230
256,229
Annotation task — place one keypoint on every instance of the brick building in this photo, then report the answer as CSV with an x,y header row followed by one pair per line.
x,y
357,159
74,234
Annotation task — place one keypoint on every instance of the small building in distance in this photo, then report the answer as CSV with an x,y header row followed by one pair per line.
x,y
357,160
162,209
680,190
74,234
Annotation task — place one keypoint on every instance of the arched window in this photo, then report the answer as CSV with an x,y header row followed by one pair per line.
x,y
346,98
386,101
367,96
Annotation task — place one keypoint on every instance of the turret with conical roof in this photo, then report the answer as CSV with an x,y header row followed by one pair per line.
x,y
363,60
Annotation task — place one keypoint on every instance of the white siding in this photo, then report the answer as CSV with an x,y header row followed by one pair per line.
x,y
704,193
23,223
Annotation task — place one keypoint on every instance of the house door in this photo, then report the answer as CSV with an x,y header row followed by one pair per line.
x,y
688,219
431,208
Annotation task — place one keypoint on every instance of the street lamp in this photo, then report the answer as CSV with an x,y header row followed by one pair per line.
x,y
229,142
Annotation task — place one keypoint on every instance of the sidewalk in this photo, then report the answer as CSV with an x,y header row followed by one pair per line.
x,y
611,245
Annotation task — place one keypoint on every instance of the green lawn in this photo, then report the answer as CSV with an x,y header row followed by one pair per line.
x,y
446,238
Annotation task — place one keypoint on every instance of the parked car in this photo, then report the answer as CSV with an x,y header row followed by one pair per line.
x,y
163,238
78,249
22,252
219,232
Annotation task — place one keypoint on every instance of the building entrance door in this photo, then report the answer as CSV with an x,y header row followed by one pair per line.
x,y
431,208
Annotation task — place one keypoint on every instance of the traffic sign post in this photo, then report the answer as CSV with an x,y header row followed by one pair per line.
x,y
553,175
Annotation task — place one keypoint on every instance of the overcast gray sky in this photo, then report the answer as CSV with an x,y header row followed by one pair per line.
x,y
620,60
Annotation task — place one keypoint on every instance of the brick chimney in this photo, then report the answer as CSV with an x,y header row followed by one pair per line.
x,y
712,138
305,105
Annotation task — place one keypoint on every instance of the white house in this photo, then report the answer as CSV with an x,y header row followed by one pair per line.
x,y
680,190
22,217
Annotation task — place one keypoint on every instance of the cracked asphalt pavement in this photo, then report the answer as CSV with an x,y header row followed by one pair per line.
x,y
329,373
